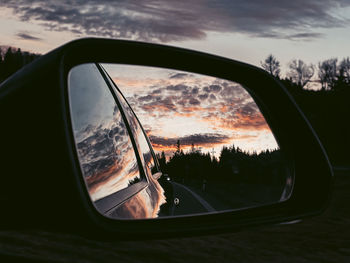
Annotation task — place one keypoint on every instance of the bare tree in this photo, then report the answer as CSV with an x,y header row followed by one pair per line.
x,y
327,72
271,65
300,72
344,70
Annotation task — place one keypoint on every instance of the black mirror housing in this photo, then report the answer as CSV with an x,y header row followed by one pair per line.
x,y
40,172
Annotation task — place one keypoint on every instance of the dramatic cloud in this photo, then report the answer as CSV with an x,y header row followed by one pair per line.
x,y
212,97
249,109
165,104
155,20
305,36
157,91
195,90
178,76
194,101
212,88
146,98
246,122
206,139
179,87
221,104
26,36
206,111
203,96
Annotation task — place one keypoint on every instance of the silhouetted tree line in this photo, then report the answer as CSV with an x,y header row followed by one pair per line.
x,y
327,108
12,59
233,166
331,74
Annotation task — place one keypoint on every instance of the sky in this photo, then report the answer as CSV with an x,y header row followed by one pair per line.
x,y
248,31
311,30
195,109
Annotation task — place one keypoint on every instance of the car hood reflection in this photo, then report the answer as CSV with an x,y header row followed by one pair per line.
x,y
145,204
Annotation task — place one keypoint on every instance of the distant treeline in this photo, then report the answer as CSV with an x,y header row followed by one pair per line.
x,y
331,74
233,165
233,180
12,59
328,107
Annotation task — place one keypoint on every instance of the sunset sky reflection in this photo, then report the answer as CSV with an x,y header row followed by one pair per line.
x,y
195,109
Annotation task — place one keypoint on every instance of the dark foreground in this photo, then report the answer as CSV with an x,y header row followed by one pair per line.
x,y
325,238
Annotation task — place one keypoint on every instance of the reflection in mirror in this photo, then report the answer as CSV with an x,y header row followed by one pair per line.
x,y
214,148
104,148
210,138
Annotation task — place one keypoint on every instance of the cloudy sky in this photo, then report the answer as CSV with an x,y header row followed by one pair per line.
x,y
312,30
195,109
245,30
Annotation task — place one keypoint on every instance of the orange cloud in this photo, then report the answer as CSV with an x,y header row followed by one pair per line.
x,y
191,109
184,114
162,108
227,107
205,140
255,121
240,121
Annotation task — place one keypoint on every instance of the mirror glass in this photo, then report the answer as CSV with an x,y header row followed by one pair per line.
x,y
155,142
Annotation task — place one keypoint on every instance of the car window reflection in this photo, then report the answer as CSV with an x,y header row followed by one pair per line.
x,y
137,131
103,144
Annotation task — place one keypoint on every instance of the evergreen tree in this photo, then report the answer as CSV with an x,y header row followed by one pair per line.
x,y
12,60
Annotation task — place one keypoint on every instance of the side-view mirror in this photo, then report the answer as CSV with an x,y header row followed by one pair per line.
x,y
112,139
212,139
